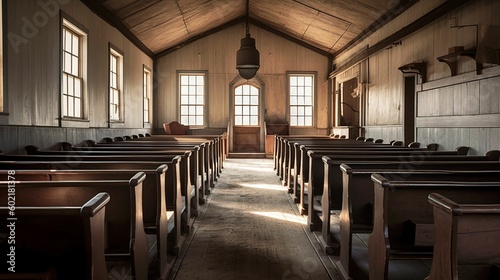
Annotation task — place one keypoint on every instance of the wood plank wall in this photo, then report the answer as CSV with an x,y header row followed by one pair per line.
x,y
217,54
33,70
452,111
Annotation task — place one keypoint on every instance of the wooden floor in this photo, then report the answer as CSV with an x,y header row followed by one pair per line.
x,y
250,229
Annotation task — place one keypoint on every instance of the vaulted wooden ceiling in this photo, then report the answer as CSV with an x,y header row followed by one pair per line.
x,y
328,26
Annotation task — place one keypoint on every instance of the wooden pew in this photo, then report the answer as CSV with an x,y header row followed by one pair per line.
x,y
403,222
125,238
314,187
466,239
157,220
219,141
192,184
210,165
159,178
280,149
356,216
300,157
69,240
198,178
215,143
75,160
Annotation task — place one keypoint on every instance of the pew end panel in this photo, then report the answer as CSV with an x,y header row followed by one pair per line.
x,y
68,244
467,237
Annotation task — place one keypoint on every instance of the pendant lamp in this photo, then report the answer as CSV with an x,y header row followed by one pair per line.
x,y
247,57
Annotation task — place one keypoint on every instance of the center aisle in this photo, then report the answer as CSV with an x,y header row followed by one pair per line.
x,y
249,229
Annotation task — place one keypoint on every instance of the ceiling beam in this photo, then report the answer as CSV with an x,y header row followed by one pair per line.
x,y
112,20
416,25
391,14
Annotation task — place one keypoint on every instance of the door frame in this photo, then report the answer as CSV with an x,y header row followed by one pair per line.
x,y
258,83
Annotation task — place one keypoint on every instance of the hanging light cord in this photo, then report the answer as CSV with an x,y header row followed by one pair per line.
x,y
247,28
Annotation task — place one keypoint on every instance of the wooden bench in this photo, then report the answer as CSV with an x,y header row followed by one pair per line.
x,y
191,182
69,240
467,235
356,216
300,158
126,239
210,162
74,161
156,181
157,220
311,193
198,178
403,222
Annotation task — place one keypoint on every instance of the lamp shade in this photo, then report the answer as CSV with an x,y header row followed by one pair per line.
x,y
247,58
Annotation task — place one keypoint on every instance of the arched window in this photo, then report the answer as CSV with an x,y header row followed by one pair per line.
x,y
246,105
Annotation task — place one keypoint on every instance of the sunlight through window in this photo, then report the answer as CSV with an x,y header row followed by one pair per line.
x,y
264,186
282,216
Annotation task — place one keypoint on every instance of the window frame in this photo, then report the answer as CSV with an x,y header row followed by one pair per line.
x,y
147,75
118,54
68,23
247,105
312,74
205,96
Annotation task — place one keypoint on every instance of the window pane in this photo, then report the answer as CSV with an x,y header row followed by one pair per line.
x,y
254,100
238,110
199,90
199,110
184,79
192,110
192,99
67,45
246,110
184,120
293,100
293,111
71,112
184,90
184,110
75,45
254,111
238,100
192,80
246,120
192,120
199,120
293,81
293,121
254,120
78,107
184,99
246,99
199,100
67,62
74,66
78,88
65,105
238,120
200,80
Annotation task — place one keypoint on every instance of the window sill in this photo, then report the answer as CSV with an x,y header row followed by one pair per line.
x,y
116,124
75,122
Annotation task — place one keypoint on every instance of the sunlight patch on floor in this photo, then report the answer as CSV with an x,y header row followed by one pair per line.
x,y
264,186
282,216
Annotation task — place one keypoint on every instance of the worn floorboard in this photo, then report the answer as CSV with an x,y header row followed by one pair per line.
x,y
250,229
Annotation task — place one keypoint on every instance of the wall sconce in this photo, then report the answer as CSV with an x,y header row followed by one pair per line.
x,y
415,68
247,57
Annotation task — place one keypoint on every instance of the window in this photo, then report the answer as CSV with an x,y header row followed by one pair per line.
x,y
115,86
192,96
73,50
146,94
246,105
301,90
